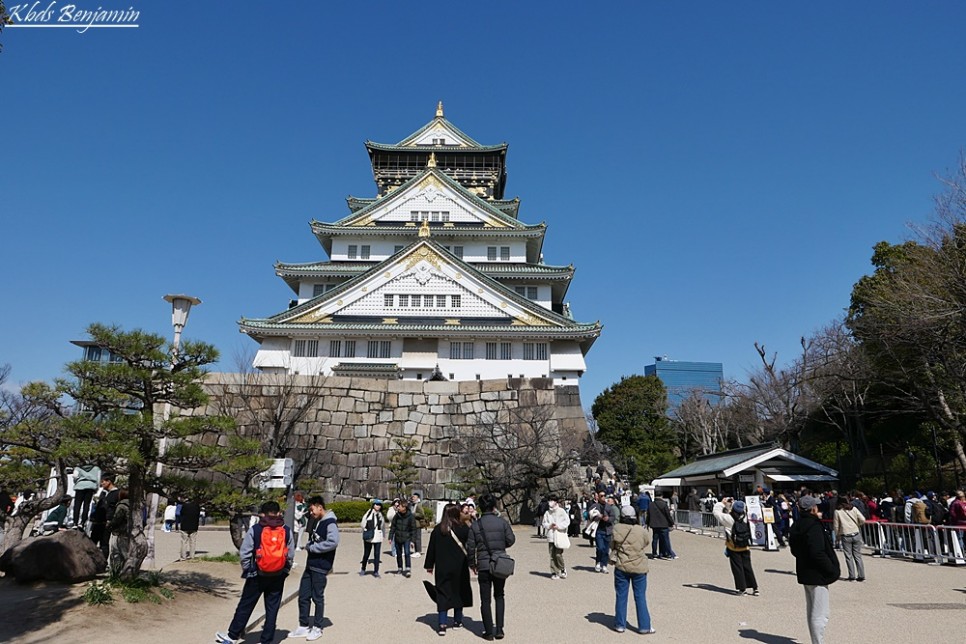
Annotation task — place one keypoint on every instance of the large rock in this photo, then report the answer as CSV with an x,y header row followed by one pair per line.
x,y
68,555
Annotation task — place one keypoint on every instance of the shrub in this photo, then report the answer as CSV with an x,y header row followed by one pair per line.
x,y
98,593
349,511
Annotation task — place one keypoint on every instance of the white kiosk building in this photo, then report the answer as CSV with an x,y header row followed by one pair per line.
x,y
433,278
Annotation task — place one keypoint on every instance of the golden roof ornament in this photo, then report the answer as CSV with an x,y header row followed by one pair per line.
x,y
439,110
432,160
424,229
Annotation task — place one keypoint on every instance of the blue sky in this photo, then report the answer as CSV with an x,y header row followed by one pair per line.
x,y
718,172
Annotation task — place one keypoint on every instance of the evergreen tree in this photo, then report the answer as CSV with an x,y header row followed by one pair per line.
x,y
632,420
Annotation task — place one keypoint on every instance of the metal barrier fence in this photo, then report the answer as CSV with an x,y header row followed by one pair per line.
x,y
698,522
928,543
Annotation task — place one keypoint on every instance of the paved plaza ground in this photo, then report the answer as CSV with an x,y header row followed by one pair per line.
x,y
690,601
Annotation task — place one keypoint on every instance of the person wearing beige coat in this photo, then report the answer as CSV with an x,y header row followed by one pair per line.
x,y
629,558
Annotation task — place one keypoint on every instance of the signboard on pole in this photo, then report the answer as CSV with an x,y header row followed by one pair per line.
x,y
754,510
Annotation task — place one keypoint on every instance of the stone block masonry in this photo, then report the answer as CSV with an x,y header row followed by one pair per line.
x,y
340,431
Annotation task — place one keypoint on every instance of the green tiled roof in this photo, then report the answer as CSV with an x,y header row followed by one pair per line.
x,y
717,463
356,268
565,325
439,120
445,178
322,229
358,203
474,147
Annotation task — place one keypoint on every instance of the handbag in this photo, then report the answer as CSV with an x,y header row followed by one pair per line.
x,y
560,540
501,565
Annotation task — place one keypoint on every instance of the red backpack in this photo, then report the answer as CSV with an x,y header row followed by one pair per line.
x,y
271,549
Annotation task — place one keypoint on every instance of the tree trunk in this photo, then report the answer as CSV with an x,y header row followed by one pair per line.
x,y
17,525
138,541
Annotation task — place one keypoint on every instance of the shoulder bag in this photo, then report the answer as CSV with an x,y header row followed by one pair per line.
x,y
501,565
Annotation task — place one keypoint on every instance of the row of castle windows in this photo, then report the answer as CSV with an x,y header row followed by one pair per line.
x,y
382,349
416,301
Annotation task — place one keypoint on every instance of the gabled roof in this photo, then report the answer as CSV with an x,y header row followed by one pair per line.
x,y
438,128
431,179
424,259
356,203
727,464
294,273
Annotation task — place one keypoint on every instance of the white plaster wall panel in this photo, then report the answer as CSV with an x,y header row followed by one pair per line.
x,y
373,303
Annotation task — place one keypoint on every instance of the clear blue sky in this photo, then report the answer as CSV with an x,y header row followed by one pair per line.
x,y
718,172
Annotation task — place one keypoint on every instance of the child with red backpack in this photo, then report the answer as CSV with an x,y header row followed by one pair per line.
x,y
267,552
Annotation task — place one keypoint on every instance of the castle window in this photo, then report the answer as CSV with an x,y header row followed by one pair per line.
x,y
365,252
441,301
353,251
318,289
491,253
403,301
335,348
350,349
491,350
387,300
458,251
417,301
378,349
504,253
455,301
506,350
306,348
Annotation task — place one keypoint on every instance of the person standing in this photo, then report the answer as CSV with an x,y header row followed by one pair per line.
x,y
403,527
86,478
816,565
300,518
104,513
258,539
490,535
542,508
847,525
415,506
605,530
555,522
628,552
190,522
120,531
574,513
643,505
446,560
373,526
660,520
738,545
321,546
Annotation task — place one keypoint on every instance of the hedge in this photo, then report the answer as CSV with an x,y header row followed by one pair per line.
x,y
351,512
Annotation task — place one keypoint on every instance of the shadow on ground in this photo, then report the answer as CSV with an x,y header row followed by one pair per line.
x,y
32,607
190,580
712,588
768,638
600,618
780,572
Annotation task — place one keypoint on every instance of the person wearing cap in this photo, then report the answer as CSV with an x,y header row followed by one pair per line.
x,y
816,565
555,522
373,525
628,553
737,544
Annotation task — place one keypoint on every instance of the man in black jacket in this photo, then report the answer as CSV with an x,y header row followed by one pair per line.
x,y
190,520
490,535
816,565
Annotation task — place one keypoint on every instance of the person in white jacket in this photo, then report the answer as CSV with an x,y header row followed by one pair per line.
x,y
555,522
373,524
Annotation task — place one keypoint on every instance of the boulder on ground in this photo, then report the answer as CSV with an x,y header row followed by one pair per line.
x,y
68,556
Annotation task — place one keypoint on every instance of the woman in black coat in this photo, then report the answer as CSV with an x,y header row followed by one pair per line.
x,y
446,556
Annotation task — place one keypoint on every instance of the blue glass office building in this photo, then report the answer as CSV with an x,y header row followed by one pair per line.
x,y
681,378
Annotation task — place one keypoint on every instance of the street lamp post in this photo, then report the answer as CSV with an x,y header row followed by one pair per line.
x,y
180,307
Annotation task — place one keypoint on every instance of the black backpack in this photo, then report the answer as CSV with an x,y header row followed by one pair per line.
x,y
741,534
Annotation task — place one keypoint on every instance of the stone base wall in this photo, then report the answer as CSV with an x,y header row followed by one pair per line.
x,y
340,431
